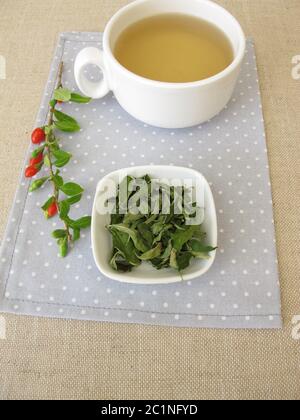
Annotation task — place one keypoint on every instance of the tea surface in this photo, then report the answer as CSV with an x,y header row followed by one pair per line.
x,y
174,48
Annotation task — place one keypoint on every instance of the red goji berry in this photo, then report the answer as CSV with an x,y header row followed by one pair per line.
x,y
52,210
38,136
31,171
37,160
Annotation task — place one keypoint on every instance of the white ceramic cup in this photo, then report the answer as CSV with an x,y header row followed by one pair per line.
x,y
167,105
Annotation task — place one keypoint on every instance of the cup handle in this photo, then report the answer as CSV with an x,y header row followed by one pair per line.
x,y
92,56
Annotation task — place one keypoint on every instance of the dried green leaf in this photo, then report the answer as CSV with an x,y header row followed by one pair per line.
x,y
133,235
173,259
165,240
184,260
152,253
125,246
181,237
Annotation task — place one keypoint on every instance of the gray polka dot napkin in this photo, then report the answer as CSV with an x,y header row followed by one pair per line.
x,y
240,291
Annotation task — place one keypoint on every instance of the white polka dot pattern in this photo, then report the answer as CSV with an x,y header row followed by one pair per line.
x,y
240,291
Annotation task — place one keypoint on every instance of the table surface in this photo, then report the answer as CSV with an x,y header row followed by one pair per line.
x,y
55,359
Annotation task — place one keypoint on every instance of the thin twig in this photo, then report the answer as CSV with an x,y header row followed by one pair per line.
x,y
58,85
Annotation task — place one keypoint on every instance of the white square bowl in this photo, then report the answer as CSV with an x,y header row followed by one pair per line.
x,y
146,274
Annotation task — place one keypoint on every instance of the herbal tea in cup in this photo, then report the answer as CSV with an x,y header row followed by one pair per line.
x,y
174,48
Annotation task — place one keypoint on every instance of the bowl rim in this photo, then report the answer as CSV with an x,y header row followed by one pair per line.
x,y
113,275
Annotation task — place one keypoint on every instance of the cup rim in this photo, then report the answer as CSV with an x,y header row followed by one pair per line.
x,y
156,83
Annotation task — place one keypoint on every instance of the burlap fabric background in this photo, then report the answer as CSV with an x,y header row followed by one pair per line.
x,y
69,359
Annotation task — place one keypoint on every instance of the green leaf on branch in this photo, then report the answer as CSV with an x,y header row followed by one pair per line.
x,y
64,208
48,203
63,246
67,126
76,234
60,233
54,146
62,95
61,154
60,163
58,180
55,157
65,122
75,199
79,99
62,158
71,189
47,161
82,223
38,184
61,116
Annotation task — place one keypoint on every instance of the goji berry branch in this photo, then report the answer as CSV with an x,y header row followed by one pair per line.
x,y
50,123
51,155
